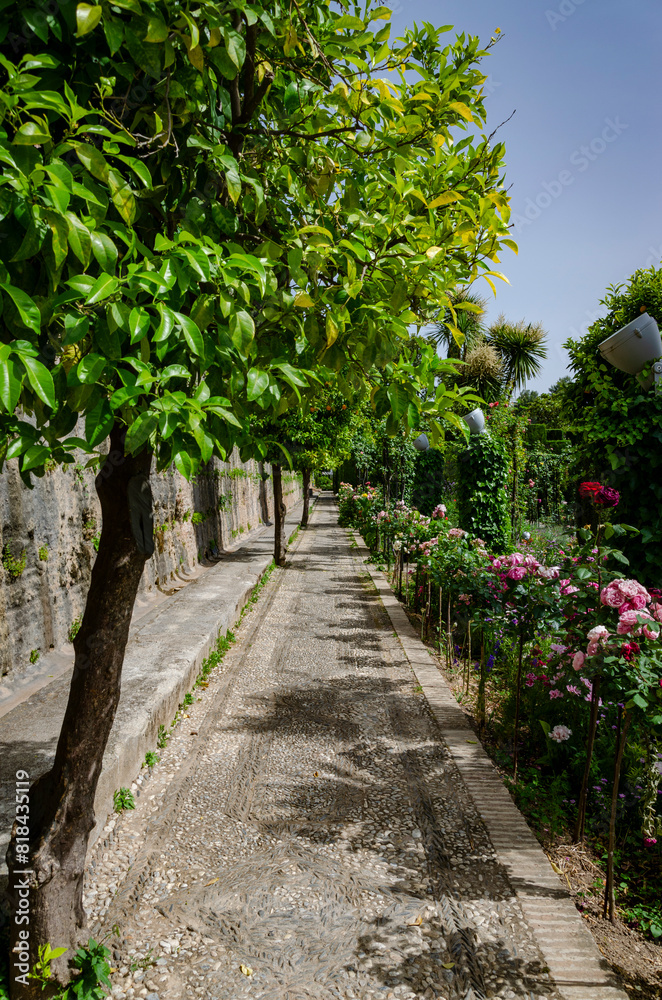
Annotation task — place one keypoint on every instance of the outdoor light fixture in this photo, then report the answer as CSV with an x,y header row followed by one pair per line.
x,y
632,347
475,421
421,443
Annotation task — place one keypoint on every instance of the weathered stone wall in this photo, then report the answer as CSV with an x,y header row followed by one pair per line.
x,y
48,534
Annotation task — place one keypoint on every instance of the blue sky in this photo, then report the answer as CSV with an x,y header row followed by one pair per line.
x,y
582,151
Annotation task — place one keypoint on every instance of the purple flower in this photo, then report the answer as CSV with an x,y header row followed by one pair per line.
x,y
607,497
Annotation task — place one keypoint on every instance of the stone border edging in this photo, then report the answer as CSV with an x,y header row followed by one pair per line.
x,y
578,969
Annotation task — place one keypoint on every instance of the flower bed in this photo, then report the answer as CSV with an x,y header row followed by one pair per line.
x,y
562,663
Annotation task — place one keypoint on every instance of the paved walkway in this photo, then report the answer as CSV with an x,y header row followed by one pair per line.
x,y
307,833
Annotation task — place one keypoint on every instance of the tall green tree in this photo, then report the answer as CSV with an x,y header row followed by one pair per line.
x,y
198,208
521,348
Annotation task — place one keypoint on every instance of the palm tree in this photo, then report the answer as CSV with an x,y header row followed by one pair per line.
x,y
469,321
521,348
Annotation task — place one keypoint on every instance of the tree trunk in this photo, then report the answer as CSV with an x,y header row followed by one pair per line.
x,y
306,498
61,807
610,895
279,516
580,825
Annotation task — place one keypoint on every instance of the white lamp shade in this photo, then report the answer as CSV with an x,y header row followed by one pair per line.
x,y
421,443
633,346
475,421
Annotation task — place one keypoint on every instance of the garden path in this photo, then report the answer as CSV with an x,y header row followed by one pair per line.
x,y
308,832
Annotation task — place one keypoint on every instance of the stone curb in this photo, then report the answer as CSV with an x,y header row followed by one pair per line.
x,y
163,658
567,946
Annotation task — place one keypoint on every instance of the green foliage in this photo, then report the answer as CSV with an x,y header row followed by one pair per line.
x,y
13,566
34,655
171,267
151,759
162,738
482,499
549,473
188,699
43,553
617,425
41,970
93,979
74,628
430,485
123,799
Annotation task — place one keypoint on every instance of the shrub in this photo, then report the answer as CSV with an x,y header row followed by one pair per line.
x,y
482,499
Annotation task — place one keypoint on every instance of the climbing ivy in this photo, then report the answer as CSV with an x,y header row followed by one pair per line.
x,y
482,498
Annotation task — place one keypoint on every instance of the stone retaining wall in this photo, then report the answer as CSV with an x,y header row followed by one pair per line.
x,y
48,536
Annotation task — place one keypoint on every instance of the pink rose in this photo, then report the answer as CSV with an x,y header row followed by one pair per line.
x,y
611,596
636,603
569,590
578,660
656,611
632,588
599,632
517,573
555,693
629,622
592,648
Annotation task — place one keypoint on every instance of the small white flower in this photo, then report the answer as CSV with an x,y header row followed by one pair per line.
x,y
560,734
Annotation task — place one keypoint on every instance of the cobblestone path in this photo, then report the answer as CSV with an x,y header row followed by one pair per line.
x,y
306,834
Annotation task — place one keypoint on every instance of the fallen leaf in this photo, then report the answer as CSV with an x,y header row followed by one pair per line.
x,y
472,741
246,971
448,965
316,774
194,732
417,922
212,882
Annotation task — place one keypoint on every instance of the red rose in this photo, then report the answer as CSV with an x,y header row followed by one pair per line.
x,y
588,490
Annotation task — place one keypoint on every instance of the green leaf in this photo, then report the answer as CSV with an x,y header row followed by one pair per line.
x,y
104,286
257,382
235,47
11,384
40,379
122,196
157,30
76,327
93,161
139,323
104,250
183,464
99,423
32,134
166,325
90,368
242,330
140,431
79,238
398,397
32,459
191,332
174,371
27,309
87,18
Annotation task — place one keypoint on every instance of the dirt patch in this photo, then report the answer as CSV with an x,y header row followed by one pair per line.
x,y
637,960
